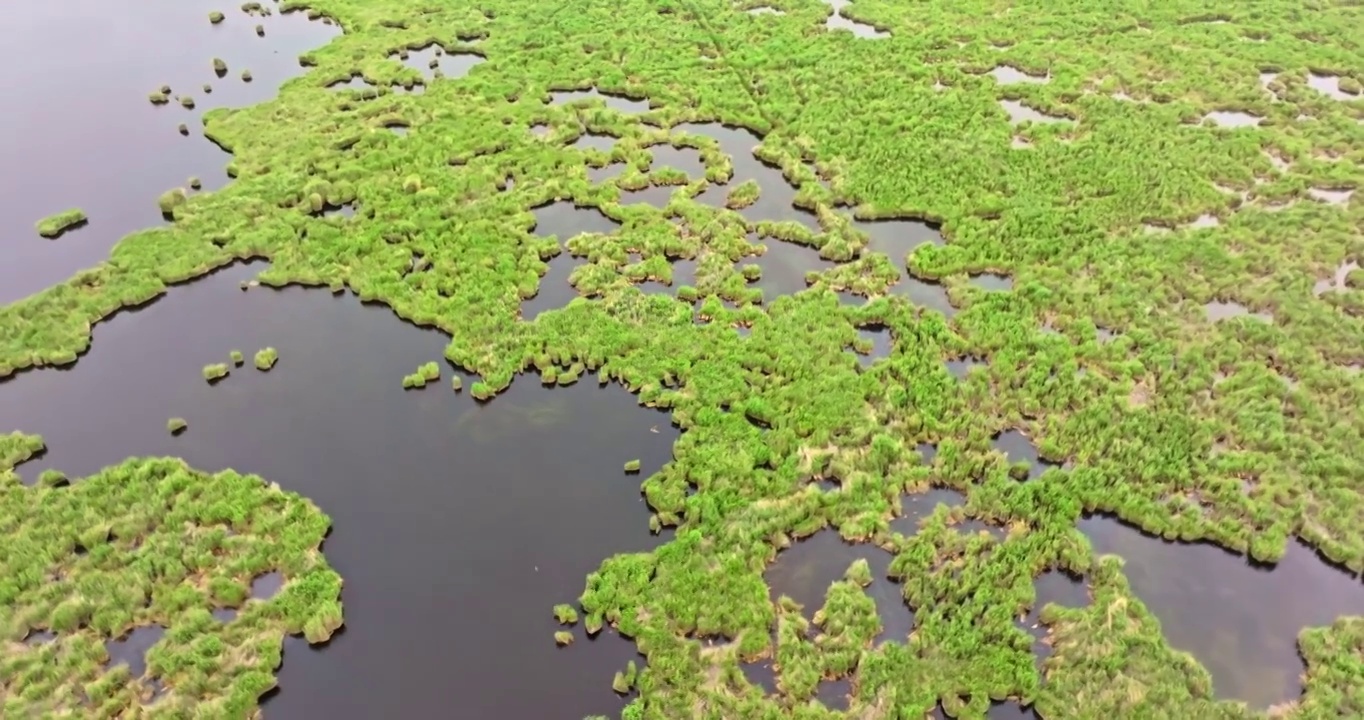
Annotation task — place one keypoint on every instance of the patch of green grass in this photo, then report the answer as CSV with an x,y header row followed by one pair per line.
x,y
53,226
266,358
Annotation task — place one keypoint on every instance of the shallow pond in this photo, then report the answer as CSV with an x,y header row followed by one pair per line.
x,y
776,198
1239,620
114,168
456,526
805,570
837,21
565,220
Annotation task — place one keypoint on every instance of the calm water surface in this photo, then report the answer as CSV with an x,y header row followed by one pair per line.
x,y
456,526
88,137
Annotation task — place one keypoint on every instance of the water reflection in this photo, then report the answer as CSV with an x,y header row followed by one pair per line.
x,y
1020,113
784,266
1329,85
1009,75
1240,621
615,102
454,538
115,168
1233,119
837,21
564,220
898,238
777,197
1018,448
131,649
804,572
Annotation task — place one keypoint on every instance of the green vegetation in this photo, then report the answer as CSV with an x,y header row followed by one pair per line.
x,y
219,67
187,102
1101,351
563,638
158,98
246,76
566,614
743,195
456,383
53,226
215,17
152,542
176,425
426,373
632,466
266,358
237,358
215,372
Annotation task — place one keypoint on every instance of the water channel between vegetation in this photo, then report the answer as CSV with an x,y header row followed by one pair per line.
x,y
457,525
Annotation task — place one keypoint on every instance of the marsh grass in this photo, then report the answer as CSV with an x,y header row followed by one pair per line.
x,y
53,226
215,372
1100,352
176,425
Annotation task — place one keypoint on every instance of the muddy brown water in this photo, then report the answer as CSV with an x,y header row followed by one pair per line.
x,y
456,526
84,134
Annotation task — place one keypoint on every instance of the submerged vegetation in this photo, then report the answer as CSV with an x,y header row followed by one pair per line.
x,y
1117,215
53,226
149,543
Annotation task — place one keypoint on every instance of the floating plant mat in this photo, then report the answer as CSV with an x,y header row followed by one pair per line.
x,y
1110,349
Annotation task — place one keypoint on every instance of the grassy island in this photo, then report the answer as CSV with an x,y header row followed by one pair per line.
x,y
176,425
266,358
53,226
221,530
1138,214
216,371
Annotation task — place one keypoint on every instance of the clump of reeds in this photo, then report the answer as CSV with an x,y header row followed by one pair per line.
x,y
53,226
565,614
266,358
246,76
215,372
219,67
563,638
187,102
456,383
215,17
208,88
632,466
237,358
260,30
157,97
170,200
51,478
176,425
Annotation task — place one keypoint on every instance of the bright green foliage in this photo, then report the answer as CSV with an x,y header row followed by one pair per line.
x,y
54,225
743,195
266,358
237,358
1117,225
215,371
563,637
77,562
565,614
632,466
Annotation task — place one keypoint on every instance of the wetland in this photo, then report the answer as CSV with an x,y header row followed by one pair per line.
x,y
1042,400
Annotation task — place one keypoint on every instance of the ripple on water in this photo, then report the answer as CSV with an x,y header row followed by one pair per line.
x,y
116,168
467,478
1241,621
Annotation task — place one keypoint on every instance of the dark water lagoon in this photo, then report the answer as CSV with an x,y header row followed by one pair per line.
x,y
1240,620
93,140
456,526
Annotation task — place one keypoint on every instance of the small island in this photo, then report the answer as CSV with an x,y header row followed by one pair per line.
x,y
53,226
215,372
266,359
426,373
176,425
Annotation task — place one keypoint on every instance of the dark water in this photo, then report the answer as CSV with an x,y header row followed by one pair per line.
x,y
80,131
881,344
784,266
131,649
456,526
898,238
959,368
688,160
565,220
1239,620
805,570
451,65
776,197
